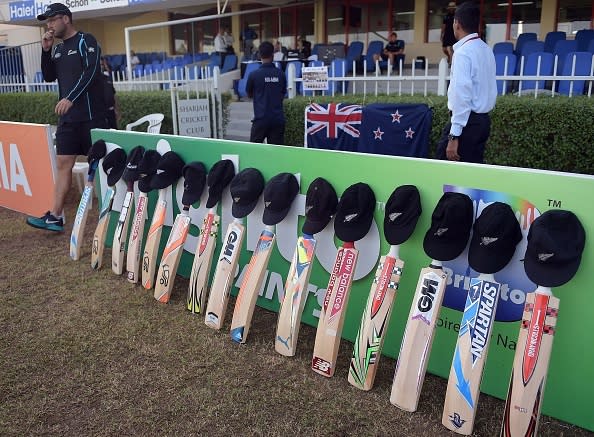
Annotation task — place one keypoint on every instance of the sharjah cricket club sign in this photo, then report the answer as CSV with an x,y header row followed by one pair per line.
x,y
528,192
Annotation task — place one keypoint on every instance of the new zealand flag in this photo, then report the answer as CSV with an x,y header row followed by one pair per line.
x,y
332,126
396,129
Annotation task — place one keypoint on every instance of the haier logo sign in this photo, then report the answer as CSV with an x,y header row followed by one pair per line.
x,y
514,282
26,10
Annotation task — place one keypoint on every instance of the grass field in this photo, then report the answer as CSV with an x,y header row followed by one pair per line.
x,y
84,352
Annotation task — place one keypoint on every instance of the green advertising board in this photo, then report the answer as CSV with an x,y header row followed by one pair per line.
x,y
570,383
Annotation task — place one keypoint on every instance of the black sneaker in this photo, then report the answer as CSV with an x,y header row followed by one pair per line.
x,y
47,221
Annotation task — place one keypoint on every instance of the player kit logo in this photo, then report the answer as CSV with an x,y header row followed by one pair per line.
x,y
164,280
456,420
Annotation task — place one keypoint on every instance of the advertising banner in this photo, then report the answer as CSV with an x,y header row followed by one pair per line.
x,y
27,167
570,384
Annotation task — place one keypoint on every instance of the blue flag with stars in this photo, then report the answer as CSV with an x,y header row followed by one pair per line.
x,y
395,129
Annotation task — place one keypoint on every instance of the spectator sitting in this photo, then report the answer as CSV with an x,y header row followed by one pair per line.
x,y
279,54
393,52
304,48
134,61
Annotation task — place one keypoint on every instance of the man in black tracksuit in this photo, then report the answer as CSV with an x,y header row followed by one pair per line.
x,y
74,62
267,87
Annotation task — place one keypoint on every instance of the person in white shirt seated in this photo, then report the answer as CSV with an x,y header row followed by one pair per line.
x,y
279,54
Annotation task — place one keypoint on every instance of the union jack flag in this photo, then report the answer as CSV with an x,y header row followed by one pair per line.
x,y
333,126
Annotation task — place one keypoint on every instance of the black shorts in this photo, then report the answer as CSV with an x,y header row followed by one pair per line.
x,y
75,138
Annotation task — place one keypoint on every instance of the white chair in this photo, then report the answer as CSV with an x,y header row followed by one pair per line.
x,y
154,123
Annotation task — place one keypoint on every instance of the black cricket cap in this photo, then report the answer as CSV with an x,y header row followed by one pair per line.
x,y
403,210
279,193
556,241
147,167
219,176
451,222
320,205
246,188
266,49
354,212
53,10
169,170
496,233
131,173
194,181
114,165
97,151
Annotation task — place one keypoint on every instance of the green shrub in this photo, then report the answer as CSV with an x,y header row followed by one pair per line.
x,y
551,133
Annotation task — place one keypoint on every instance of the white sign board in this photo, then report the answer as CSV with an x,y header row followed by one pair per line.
x,y
193,118
315,78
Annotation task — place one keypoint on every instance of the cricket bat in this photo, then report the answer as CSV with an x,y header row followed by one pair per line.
x,y
333,310
80,221
171,255
531,362
153,240
224,274
470,354
418,337
196,296
374,322
291,307
136,238
250,286
101,229
120,236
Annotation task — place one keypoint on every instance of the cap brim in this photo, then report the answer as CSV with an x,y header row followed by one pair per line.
x,y
445,250
312,227
271,218
163,180
352,231
400,233
483,260
214,197
550,275
144,184
240,211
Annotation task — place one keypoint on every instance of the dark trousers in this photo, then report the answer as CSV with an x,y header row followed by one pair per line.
x,y
274,133
471,144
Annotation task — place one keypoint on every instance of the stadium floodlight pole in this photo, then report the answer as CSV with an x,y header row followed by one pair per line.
x,y
129,29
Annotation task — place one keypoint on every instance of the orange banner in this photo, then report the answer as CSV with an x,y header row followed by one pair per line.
x,y
27,167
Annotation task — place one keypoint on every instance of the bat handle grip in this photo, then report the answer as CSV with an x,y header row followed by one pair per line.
x,y
543,290
436,263
394,251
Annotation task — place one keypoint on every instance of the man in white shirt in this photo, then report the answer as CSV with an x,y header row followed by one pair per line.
x,y
472,91
220,47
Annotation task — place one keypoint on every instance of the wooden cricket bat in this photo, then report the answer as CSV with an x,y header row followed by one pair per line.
x,y
120,236
291,307
136,238
470,354
101,229
418,337
153,240
196,297
80,221
250,286
224,274
333,310
171,256
374,322
531,362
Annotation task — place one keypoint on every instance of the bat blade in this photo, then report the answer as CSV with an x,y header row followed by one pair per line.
x,y
531,362
250,287
136,238
80,221
171,256
291,308
196,296
223,277
101,229
333,311
470,355
376,316
120,236
418,339
151,248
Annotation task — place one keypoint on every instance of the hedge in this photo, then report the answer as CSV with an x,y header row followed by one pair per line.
x,y
551,133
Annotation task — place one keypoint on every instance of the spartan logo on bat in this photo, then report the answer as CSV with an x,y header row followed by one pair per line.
x,y
164,279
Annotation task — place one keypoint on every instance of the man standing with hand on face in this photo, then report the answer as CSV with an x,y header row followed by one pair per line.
x,y
74,62
472,91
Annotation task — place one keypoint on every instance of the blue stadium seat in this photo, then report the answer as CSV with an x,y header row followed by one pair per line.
x,y
353,54
522,39
337,69
583,38
374,48
591,47
532,46
561,49
532,68
551,39
241,87
503,47
229,64
576,64
504,86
